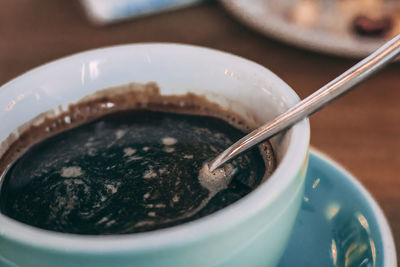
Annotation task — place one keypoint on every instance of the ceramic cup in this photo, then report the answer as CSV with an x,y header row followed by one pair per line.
x,y
251,232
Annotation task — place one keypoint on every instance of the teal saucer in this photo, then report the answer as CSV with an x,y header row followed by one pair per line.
x,y
339,223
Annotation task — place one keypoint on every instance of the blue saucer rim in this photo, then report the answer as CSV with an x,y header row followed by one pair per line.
x,y
389,252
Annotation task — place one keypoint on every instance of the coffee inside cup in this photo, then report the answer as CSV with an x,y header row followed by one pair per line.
x,y
126,160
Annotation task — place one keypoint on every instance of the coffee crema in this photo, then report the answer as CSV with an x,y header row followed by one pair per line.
x,y
126,160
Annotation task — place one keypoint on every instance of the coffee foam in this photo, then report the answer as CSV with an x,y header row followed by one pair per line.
x,y
217,180
106,101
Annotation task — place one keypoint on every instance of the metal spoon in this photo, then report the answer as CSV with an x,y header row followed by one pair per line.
x,y
316,101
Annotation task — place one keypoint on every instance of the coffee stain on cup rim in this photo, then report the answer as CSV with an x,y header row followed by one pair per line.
x,y
109,100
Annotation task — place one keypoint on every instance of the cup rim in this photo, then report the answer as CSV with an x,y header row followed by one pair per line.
x,y
295,155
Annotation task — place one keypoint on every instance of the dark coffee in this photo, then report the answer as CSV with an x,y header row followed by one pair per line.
x,y
127,172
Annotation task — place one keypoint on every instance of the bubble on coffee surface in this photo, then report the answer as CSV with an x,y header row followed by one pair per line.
x,y
217,180
128,172
73,171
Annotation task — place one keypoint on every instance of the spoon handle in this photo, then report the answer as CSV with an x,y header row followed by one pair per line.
x,y
317,100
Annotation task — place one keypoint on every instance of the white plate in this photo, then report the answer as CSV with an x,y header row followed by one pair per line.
x,y
330,35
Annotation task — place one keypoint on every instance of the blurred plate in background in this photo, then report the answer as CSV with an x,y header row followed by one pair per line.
x,y
350,28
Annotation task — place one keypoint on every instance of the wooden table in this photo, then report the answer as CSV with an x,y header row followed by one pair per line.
x,y
361,130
